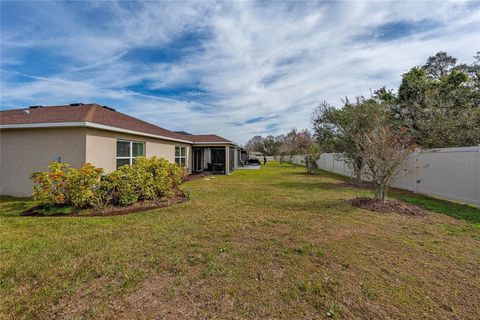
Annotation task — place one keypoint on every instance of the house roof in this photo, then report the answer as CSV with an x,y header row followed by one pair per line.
x,y
92,113
207,138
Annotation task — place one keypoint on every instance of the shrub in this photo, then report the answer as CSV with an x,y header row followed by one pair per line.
x,y
82,185
88,187
50,187
165,176
104,194
124,185
147,178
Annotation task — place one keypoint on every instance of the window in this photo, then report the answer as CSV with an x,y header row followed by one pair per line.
x,y
181,156
128,150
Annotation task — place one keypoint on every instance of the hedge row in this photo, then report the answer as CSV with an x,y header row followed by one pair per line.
x,y
147,178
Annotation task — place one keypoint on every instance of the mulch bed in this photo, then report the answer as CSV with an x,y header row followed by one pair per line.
x,y
389,206
179,197
38,211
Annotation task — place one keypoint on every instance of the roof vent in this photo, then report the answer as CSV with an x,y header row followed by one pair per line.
x,y
109,108
76,104
26,111
35,107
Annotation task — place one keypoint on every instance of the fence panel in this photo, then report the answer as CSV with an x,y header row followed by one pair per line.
x,y
406,177
451,173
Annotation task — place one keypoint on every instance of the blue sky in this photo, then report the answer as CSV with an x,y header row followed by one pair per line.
x,y
234,68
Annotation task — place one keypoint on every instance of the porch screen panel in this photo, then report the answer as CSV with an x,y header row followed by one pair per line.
x,y
231,159
207,157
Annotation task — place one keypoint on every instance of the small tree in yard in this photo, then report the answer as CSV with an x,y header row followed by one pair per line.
x,y
337,129
312,155
384,150
302,143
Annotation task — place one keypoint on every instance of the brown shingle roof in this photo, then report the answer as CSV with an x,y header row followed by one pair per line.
x,y
84,113
204,138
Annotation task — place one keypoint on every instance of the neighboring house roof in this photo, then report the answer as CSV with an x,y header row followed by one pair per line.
x,y
183,132
207,138
92,115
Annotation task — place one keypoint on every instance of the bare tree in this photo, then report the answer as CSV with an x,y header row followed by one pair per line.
x,y
384,150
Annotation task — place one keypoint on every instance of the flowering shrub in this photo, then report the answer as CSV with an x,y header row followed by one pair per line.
x,y
88,187
50,186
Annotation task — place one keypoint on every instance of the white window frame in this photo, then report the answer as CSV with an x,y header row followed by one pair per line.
x,y
130,157
180,157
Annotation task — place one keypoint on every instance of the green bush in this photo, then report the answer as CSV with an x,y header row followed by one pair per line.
x,y
165,176
82,185
125,186
88,187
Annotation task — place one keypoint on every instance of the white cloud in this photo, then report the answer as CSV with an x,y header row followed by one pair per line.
x,y
271,61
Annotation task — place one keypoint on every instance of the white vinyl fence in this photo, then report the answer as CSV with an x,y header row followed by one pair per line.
x,y
450,173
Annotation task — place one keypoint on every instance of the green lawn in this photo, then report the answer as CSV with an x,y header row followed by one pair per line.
x,y
272,243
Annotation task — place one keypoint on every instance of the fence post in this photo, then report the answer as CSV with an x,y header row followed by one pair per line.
x,y
415,171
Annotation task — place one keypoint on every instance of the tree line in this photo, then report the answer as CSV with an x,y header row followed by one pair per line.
x,y
436,105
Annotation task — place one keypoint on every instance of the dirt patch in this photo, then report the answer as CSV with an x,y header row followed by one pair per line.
x,y
389,206
179,197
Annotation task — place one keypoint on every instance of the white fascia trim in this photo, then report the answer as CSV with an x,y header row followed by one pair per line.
x,y
104,127
42,125
87,125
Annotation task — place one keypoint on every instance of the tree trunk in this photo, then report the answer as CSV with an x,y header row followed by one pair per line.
x,y
380,192
358,170
358,176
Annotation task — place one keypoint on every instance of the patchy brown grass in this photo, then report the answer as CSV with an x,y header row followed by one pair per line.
x,y
270,243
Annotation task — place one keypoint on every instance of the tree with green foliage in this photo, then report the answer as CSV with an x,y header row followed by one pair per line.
x,y
439,103
338,129
439,65
267,146
302,143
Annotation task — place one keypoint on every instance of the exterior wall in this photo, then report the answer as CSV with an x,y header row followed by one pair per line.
x,y
24,151
101,148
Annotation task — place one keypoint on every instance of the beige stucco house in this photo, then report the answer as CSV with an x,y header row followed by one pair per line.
x,y
33,137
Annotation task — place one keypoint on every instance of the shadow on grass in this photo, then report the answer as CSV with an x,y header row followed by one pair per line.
x,y
456,210
336,206
11,206
300,185
323,173
278,166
